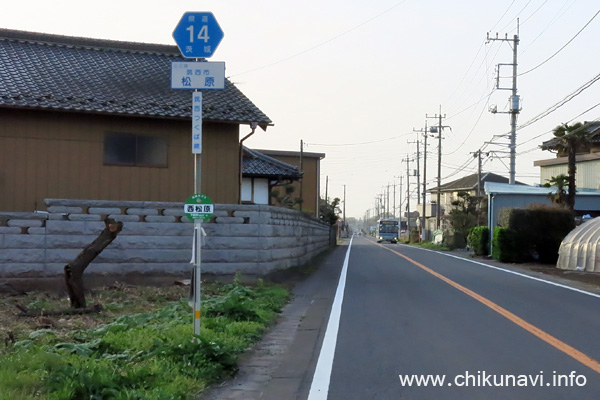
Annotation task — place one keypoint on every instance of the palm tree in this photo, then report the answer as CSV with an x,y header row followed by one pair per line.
x,y
560,197
568,139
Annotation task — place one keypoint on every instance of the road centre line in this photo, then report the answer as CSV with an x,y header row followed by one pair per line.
x,y
319,388
546,337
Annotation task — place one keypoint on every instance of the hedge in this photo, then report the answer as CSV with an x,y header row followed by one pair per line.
x,y
505,245
538,231
478,240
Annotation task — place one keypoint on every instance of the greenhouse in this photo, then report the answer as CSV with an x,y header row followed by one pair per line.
x,y
580,250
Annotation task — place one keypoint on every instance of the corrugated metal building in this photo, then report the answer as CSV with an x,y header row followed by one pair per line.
x,y
503,195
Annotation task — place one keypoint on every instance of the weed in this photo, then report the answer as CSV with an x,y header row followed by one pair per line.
x,y
148,355
432,246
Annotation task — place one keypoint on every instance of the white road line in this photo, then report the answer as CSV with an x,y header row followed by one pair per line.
x,y
319,388
513,272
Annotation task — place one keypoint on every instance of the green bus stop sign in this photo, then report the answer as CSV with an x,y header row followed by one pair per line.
x,y
199,207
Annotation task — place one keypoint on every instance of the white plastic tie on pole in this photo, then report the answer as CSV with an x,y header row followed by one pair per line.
x,y
193,260
202,241
203,232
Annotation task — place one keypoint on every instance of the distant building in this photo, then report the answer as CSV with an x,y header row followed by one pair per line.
x,y
587,160
262,173
449,193
501,196
310,184
97,119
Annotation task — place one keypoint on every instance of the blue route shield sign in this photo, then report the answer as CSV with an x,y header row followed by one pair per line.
x,y
198,34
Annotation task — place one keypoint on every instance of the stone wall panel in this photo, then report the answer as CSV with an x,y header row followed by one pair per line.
x,y
157,238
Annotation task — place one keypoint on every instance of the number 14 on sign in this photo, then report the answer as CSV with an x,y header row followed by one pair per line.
x,y
202,35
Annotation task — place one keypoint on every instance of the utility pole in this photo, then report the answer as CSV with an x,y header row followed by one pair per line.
x,y
407,199
478,154
418,170
326,189
301,171
388,200
344,209
399,198
514,99
407,159
425,133
438,129
394,208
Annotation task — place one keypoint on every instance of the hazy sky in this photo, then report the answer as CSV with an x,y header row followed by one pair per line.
x,y
353,78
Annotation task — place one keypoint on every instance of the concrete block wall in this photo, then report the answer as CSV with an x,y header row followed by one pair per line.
x,y
157,239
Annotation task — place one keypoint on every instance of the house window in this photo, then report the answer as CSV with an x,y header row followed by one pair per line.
x,y
135,150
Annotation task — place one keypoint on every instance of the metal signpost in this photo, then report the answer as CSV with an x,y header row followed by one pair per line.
x,y
198,208
197,35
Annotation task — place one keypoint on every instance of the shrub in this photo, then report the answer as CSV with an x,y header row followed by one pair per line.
x,y
505,245
539,231
478,240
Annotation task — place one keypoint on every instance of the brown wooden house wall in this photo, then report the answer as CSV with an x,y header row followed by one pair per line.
x,y
46,154
310,184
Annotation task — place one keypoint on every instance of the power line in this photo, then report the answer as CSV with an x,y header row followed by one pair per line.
x,y
545,133
554,19
472,129
533,13
472,105
505,12
561,103
357,144
512,20
460,169
559,50
322,43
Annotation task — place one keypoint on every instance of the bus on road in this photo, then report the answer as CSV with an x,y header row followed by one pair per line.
x,y
387,230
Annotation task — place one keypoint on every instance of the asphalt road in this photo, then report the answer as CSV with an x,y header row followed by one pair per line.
x,y
407,311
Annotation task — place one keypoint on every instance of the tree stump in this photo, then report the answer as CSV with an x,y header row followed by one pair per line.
x,y
74,270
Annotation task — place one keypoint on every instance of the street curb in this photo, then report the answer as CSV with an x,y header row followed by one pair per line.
x,y
277,367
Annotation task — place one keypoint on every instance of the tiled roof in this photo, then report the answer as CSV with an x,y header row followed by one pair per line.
x,y
469,182
101,76
256,164
592,128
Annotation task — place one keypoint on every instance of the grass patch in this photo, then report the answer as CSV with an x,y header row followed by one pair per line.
x,y
141,347
432,246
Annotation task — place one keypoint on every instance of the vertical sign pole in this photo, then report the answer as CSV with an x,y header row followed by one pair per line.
x,y
197,35
197,275
197,151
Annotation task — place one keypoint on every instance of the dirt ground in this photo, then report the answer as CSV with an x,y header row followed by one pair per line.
x,y
588,278
115,299
118,295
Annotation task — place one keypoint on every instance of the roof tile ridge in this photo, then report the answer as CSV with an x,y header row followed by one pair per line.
x,y
79,42
273,160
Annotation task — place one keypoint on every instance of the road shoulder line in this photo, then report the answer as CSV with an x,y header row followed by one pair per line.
x,y
512,272
319,388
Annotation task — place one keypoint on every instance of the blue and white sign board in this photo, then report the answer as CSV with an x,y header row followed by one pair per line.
x,y
198,34
197,75
197,123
